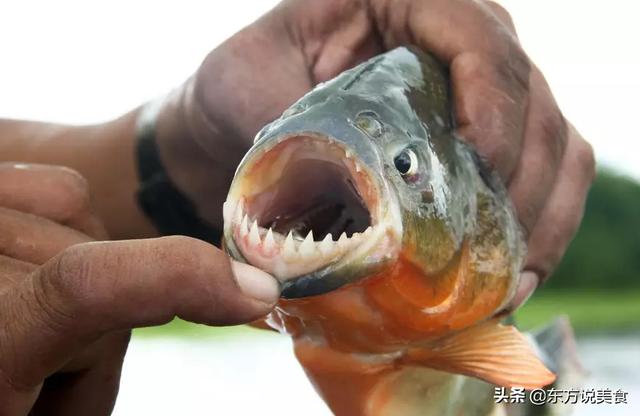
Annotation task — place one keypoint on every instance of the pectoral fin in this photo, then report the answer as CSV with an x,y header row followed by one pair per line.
x,y
492,352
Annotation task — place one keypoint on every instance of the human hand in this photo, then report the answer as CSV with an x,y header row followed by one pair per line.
x,y
503,104
67,304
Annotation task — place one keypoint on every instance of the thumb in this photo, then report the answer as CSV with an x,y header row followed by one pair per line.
x,y
95,288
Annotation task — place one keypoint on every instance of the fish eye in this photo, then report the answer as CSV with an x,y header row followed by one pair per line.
x,y
406,162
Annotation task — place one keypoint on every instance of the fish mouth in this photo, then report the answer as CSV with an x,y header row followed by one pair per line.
x,y
308,209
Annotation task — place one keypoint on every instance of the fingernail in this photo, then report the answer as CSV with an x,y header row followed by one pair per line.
x,y
528,284
255,283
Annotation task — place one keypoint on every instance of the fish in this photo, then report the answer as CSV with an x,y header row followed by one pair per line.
x,y
395,245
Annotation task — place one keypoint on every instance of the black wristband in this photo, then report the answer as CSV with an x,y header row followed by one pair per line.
x,y
168,208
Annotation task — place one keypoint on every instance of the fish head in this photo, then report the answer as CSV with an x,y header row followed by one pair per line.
x,y
311,203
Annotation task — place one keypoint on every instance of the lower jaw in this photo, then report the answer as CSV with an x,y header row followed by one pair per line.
x,y
371,258
289,259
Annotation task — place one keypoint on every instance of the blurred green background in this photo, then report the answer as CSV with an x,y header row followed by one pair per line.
x,y
598,281
597,284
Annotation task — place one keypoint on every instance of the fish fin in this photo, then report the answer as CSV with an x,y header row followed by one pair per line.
x,y
492,352
558,350
261,324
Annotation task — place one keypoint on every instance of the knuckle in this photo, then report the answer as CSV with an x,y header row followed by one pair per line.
x,y
554,133
494,5
567,221
500,155
505,149
548,244
47,306
514,67
75,189
586,159
8,234
544,263
502,13
67,280
528,215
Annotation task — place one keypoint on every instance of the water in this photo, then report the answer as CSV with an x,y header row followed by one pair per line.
x,y
258,375
254,375
614,363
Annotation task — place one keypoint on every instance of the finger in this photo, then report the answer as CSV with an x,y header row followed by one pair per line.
x,y
95,288
528,283
544,126
543,149
346,32
544,142
53,192
34,239
90,389
503,15
562,214
489,70
13,271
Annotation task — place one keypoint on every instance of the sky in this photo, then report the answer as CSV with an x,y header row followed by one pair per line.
x,y
89,61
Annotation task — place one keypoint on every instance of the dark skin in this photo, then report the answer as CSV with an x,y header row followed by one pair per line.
x,y
67,303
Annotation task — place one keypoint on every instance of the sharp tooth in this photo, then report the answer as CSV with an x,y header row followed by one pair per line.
x,y
326,246
343,238
239,212
307,247
347,153
228,209
289,248
254,235
368,230
357,166
244,226
269,241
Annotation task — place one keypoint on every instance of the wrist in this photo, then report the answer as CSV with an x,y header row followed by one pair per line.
x,y
102,153
205,127
194,154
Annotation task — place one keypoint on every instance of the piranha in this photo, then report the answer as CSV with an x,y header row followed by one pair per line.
x,y
395,246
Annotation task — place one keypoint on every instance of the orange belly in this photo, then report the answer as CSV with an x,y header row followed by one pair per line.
x,y
378,317
399,306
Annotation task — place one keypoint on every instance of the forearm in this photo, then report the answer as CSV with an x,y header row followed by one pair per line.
x,y
103,154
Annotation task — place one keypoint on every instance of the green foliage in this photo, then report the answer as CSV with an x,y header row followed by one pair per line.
x,y
605,253
588,310
180,328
